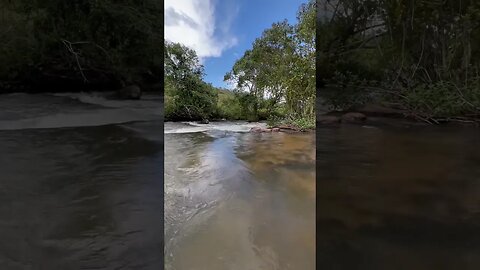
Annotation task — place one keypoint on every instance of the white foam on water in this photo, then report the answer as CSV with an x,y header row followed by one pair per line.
x,y
99,98
194,127
81,119
185,130
31,111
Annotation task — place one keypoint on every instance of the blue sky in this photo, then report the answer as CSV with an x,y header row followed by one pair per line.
x,y
221,30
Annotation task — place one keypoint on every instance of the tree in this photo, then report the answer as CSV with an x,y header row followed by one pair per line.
x,y
187,95
421,55
281,66
244,75
83,43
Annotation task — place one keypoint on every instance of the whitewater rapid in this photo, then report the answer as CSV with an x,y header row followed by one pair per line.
x,y
34,111
194,127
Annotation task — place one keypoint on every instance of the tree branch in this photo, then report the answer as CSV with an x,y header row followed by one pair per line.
x,y
69,47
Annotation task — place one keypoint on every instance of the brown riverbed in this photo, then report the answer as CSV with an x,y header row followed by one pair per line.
x,y
238,200
398,195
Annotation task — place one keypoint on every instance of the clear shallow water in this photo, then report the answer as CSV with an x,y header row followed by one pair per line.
x,y
238,200
398,197
81,183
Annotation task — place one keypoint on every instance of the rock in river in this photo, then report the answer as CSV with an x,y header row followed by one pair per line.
x,y
353,117
130,92
328,119
259,129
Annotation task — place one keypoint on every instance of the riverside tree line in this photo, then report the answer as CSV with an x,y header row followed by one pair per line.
x,y
67,45
422,56
274,80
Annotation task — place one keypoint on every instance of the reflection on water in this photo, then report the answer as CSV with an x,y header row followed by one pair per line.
x,y
398,198
236,200
85,197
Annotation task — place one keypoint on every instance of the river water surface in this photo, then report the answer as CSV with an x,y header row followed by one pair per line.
x,y
238,200
81,187
80,182
398,197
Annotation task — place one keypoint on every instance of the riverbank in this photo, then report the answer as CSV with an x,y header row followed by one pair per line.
x,y
379,114
130,91
255,127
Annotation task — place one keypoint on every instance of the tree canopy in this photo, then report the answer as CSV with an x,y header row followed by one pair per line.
x,y
273,80
187,95
80,43
280,66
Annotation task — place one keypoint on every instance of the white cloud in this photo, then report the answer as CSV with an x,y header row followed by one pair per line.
x,y
192,23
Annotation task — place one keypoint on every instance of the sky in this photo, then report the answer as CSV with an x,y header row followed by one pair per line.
x,y
220,31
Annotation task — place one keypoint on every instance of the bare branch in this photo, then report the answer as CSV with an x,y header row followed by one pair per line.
x,y
69,47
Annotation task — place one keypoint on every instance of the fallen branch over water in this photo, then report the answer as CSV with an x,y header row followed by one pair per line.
x,y
287,128
468,120
279,128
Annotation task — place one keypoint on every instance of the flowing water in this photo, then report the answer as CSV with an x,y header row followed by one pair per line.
x,y
81,187
398,197
81,182
238,200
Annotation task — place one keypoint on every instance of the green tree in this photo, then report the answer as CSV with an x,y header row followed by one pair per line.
x,y
420,55
82,43
187,95
280,67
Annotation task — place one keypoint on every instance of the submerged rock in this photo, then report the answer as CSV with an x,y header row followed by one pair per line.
x,y
275,129
259,129
382,111
328,119
130,92
353,117
204,121
256,129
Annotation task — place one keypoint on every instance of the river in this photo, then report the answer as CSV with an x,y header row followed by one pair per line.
x,y
238,200
398,196
82,187
81,182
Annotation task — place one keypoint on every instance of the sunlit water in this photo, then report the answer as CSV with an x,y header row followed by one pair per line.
x,y
238,200
80,182
398,197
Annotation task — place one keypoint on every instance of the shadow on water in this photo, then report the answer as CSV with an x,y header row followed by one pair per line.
x,y
239,201
81,198
398,198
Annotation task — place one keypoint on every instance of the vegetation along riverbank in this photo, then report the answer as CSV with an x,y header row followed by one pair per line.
x,y
64,46
273,81
421,58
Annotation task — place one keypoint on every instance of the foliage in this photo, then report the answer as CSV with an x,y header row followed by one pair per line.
x,y
420,54
444,98
279,69
187,95
229,106
81,42
275,79
302,123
